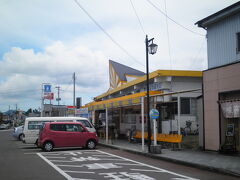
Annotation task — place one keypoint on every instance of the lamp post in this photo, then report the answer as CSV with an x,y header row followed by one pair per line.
x,y
151,48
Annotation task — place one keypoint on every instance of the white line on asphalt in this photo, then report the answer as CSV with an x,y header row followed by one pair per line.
x,y
55,157
113,159
169,172
128,164
80,172
147,170
59,161
63,165
99,155
6,130
55,167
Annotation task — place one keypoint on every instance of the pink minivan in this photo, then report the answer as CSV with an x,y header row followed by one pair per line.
x,y
66,134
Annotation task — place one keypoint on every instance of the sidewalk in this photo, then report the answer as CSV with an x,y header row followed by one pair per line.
x,y
201,159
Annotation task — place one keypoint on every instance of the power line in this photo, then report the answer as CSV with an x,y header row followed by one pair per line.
x,y
138,17
107,34
168,38
159,10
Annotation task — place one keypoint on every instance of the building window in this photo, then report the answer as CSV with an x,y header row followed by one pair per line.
x,y
238,42
185,106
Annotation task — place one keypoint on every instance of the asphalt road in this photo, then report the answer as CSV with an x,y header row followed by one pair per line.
x,y
21,161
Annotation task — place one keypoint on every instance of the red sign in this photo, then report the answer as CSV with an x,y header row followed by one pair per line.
x,y
49,96
71,107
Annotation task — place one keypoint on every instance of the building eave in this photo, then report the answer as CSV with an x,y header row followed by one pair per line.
x,y
154,74
228,11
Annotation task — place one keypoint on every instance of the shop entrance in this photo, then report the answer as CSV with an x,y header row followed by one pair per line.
x,y
230,121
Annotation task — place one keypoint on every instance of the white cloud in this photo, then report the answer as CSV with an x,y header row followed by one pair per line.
x,y
46,41
26,70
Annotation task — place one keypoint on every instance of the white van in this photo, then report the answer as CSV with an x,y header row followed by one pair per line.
x,y
33,124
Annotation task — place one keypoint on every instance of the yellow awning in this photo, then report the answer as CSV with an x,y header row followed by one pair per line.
x,y
132,99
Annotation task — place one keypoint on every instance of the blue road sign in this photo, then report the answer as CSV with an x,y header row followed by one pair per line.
x,y
47,88
154,114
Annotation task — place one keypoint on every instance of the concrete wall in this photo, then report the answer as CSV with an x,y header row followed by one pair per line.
x,y
217,80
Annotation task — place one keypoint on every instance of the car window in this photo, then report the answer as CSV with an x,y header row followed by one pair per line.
x,y
74,128
85,123
34,125
58,127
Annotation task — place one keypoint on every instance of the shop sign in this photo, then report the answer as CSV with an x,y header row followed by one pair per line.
x,y
82,111
154,86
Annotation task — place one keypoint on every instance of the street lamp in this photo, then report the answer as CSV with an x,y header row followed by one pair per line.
x,y
151,48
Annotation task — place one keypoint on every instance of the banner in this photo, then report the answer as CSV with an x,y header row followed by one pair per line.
x,y
231,109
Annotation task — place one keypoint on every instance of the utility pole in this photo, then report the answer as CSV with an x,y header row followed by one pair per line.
x,y
74,79
58,98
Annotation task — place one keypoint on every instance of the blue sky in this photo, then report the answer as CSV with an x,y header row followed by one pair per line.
x,y
46,41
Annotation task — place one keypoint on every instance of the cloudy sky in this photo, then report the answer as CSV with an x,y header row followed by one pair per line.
x,y
46,41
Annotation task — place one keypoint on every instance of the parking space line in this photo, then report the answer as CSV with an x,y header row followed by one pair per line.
x,y
169,172
64,165
79,161
55,167
128,164
148,170
55,157
59,161
80,172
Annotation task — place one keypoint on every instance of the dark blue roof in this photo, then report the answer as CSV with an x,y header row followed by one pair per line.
x,y
123,70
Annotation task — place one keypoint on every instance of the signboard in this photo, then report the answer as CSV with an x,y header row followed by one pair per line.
x,y
49,96
47,92
47,88
83,112
154,114
71,110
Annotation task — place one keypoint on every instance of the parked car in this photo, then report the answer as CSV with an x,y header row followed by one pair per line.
x,y
18,132
4,126
66,134
33,124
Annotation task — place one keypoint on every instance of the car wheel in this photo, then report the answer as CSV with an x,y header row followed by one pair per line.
x,y
20,137
91,144
48,146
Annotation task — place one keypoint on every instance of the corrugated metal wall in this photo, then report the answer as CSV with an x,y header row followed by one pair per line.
x,y
222,42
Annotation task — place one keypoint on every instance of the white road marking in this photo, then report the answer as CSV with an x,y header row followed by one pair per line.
x,y
80,172
147,170
134,163
55,157
6,130
129,164
63,165
59,161
169,172
55,167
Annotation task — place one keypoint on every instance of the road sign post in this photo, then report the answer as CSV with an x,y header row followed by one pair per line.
x,y
154,114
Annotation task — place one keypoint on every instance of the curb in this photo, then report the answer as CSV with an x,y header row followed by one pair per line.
x,y
199,166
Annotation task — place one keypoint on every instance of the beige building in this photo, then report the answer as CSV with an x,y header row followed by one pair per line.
x,y
221,82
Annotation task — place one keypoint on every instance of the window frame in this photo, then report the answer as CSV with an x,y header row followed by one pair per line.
x,y
238,42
